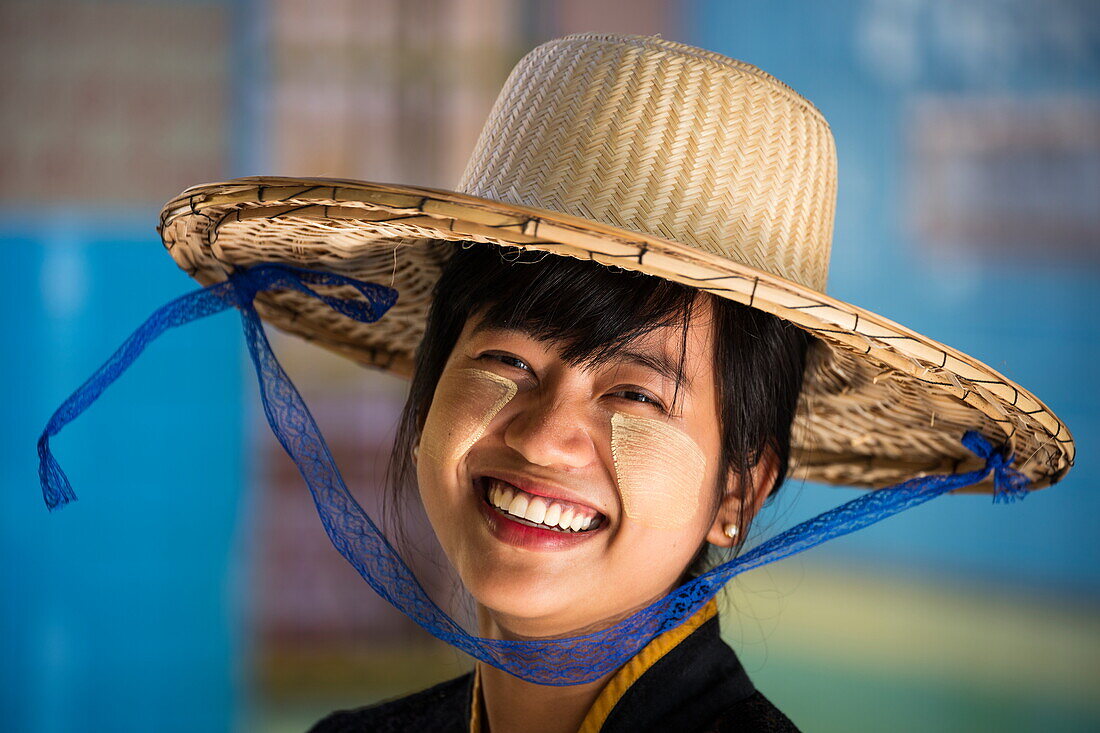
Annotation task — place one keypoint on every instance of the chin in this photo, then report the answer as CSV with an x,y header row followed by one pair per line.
x,y
522,604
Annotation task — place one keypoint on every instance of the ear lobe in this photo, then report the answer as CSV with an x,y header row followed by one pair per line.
x,y
729,512
733,510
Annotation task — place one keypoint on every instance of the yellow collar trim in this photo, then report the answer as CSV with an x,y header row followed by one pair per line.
x,y
627,675
475,702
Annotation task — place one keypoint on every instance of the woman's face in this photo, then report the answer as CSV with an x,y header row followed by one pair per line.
x,y
569,497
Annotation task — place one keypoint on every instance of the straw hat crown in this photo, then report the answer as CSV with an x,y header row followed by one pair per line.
x,y
653,136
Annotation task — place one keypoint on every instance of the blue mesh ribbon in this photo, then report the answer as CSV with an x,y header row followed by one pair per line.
x,y
238,291
355,535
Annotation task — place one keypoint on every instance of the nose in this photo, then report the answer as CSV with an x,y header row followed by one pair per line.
x,y
551,432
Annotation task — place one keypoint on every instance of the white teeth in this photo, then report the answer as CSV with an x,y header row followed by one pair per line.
x,y
553,514
518,506
536,509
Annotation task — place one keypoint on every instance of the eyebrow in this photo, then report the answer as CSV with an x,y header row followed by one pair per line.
x,y
659,363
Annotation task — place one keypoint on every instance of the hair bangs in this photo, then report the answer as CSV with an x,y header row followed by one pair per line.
x,y
590,313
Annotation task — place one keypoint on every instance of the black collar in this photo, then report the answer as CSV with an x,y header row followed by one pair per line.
x,y
686,689
698,684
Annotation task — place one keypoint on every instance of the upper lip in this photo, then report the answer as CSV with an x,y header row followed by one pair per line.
x,y
542,488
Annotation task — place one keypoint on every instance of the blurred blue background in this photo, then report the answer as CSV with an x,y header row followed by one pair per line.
x,y
191,587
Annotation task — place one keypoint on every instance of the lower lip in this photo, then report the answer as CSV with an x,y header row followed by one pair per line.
x,y
527,537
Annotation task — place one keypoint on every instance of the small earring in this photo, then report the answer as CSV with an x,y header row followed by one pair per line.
x,y
416,452
730,530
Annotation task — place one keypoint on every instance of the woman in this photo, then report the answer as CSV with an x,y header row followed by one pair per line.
x,y
542,499
585,432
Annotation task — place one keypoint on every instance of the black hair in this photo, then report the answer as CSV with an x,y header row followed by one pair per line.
x,y
591,312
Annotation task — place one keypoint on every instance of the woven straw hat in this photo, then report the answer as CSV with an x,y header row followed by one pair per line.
x,y
652,156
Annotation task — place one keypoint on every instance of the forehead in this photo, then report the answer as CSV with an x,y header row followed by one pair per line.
x,y
679,353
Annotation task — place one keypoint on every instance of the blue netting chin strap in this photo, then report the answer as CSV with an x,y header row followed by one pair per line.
x,y
358,539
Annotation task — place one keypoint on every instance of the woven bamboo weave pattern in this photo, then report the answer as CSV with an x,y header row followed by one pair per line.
x,y
646,136
652,156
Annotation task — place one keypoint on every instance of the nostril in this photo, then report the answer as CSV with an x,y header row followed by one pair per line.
x,y
547,440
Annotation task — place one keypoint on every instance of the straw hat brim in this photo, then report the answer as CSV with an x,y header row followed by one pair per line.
x,y
881,403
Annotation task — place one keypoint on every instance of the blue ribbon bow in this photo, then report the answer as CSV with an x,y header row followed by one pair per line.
x,y
1009,484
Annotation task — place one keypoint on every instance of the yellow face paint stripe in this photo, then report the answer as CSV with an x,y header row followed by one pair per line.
x,y
456,391
659,470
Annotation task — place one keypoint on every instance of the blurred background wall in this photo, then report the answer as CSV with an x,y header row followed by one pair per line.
x,y
192,587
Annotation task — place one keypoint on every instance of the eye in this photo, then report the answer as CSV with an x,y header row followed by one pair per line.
x,y
507,359
643,397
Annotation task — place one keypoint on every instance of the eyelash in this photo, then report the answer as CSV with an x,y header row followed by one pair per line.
x,y
648,399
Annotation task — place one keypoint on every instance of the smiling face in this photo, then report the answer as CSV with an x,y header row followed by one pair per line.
x,y
569,496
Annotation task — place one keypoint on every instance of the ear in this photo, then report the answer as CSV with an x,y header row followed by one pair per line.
x,y
732,509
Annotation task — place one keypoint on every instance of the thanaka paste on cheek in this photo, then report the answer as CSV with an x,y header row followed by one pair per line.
x,y
465,402
659,470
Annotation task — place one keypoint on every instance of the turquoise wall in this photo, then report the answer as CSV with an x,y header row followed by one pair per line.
x,y
119,612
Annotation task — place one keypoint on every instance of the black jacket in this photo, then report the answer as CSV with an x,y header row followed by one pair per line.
x,y
699,685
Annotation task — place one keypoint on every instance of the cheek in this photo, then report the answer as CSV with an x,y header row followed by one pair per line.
x,y
659,469
465,402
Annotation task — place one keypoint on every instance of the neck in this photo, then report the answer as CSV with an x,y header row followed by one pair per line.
x,y
512,704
